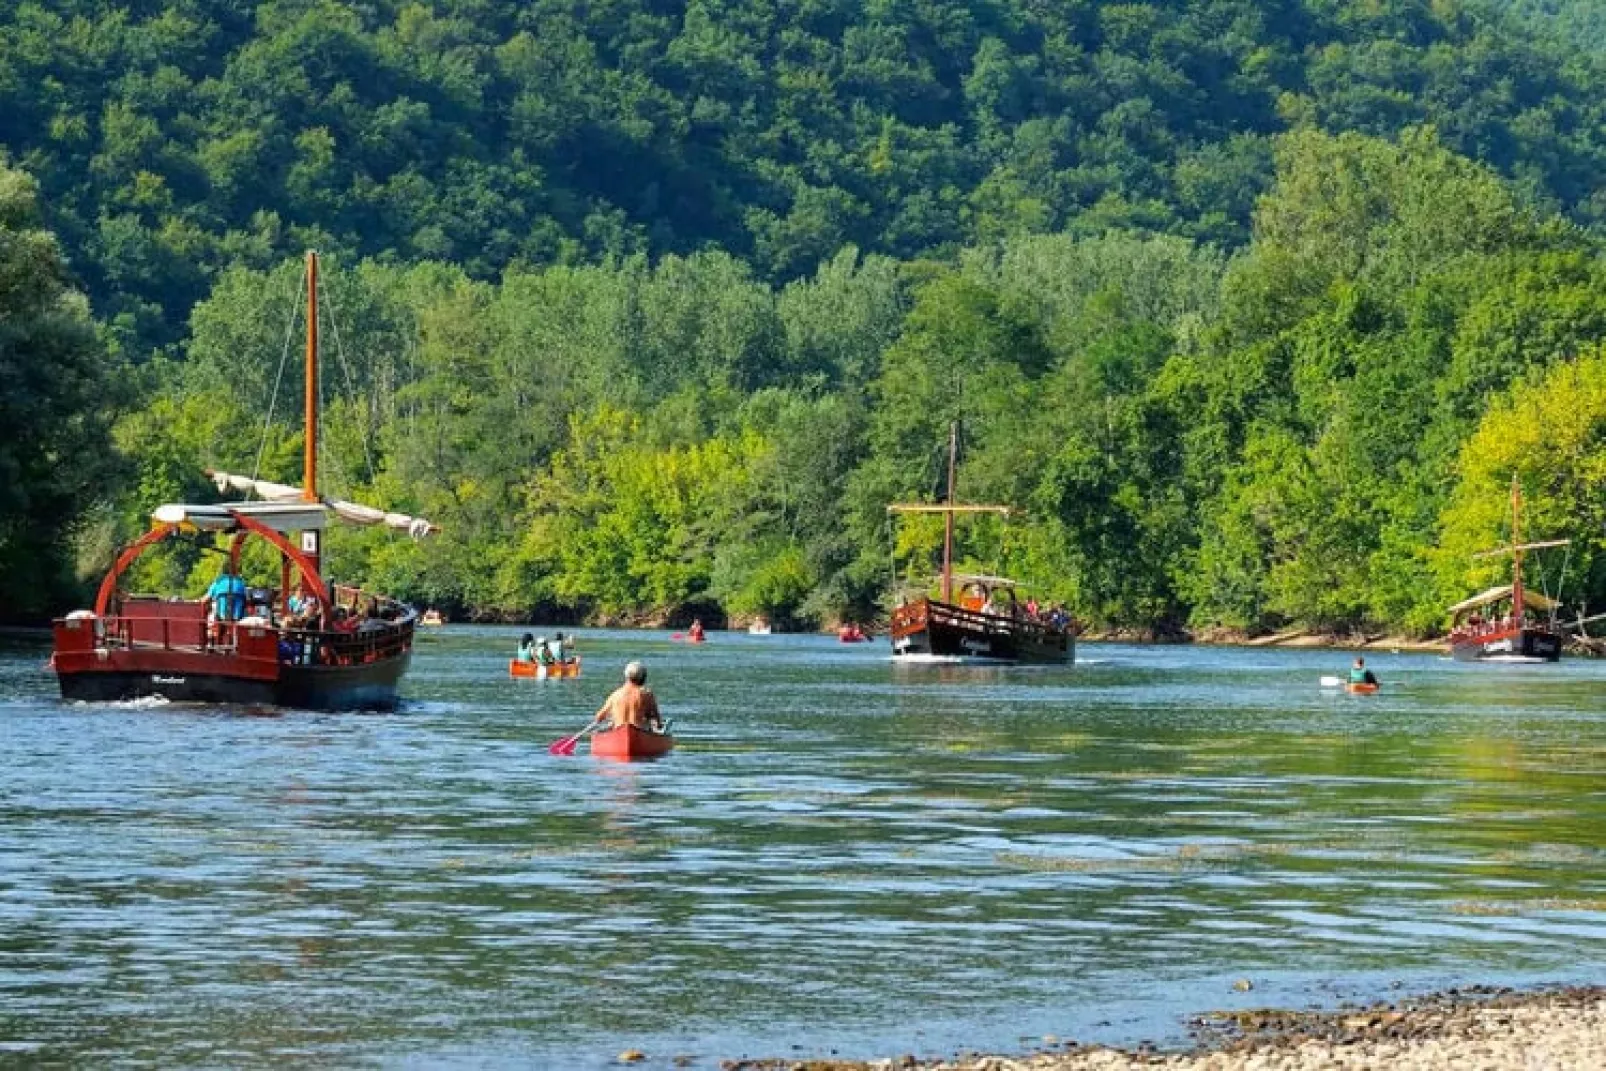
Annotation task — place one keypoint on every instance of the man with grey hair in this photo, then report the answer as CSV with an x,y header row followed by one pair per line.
x,y
632,703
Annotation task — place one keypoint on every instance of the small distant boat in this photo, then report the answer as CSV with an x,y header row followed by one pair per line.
x,y
852,634
1495,626
432,618
758,628
628,742
536,671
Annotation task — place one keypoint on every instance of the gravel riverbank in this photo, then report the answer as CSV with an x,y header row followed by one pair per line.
x,y
1482,1029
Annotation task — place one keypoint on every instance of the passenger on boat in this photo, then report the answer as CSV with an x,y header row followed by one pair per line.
x,y
632,703
304,608
561,648
1359,674
225,600
526,652
543,652
695,633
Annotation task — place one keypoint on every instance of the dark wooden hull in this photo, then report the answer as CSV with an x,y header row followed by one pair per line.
x,y
122,659
928,627
373,686
178,686
1506,645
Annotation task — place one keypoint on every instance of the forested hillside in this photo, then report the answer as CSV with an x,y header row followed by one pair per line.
x,y
173,140
1581,22
1253,308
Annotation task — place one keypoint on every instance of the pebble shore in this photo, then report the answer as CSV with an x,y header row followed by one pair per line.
x,y
1483,1029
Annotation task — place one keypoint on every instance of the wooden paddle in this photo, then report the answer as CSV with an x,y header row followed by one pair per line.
x,y
566,745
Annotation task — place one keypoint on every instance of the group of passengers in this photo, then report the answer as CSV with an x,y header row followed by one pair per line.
x,y
1477,624
541,652
230,600
1054,617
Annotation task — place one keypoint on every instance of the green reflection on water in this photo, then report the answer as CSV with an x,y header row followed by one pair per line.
x,y
841,847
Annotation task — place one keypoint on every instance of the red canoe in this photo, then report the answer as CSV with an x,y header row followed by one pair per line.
x,y
629,743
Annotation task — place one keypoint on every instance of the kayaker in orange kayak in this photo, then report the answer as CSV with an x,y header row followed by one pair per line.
x,y
1359,674
631,703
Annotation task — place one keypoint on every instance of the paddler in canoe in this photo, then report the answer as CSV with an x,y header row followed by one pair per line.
x,y
1361,679
632,703
526,651
695,633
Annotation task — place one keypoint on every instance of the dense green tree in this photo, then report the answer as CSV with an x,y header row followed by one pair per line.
x,y
54,379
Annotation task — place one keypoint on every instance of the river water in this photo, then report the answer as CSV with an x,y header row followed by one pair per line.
x,y
844,855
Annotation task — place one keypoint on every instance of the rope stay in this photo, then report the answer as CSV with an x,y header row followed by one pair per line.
x,y
278,379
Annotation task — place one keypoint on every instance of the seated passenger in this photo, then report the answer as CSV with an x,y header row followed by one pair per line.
x,y
543,652
303,608
526,651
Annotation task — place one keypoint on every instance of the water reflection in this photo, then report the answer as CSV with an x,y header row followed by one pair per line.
x,y
857,854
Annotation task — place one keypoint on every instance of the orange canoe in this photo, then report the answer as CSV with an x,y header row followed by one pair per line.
x,y
629,743
536,671
1360,689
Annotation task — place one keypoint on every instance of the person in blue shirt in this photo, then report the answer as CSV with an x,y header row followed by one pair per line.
x,y
1359,674
225,601
526,652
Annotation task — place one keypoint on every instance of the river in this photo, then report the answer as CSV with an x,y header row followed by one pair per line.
x,y
844,855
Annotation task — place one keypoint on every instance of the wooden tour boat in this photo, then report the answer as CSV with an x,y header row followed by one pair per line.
x,y
988,621
348,654
629,742
1496,625
536,671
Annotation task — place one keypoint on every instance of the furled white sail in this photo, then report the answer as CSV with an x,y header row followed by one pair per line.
x,y
350,512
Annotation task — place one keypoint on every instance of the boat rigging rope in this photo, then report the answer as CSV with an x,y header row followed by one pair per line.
x,y
345,368
1561,583
273,399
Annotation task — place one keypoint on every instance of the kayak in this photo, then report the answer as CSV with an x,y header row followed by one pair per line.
x,y
536,671
1359,689
852,635
629,743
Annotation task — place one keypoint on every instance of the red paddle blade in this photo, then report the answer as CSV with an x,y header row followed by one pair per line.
x,y
564,746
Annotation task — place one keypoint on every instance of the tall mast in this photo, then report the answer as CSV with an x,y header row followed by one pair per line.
x,y
1516,552
309,469
948,518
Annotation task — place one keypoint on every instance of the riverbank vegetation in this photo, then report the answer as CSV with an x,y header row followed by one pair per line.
x,y
1253,310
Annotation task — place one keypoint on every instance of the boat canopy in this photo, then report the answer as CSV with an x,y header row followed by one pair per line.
x,y
279,516
983,578
350,512
1532,598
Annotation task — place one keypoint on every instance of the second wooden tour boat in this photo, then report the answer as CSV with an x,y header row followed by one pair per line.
x,y
988,621
1500,624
